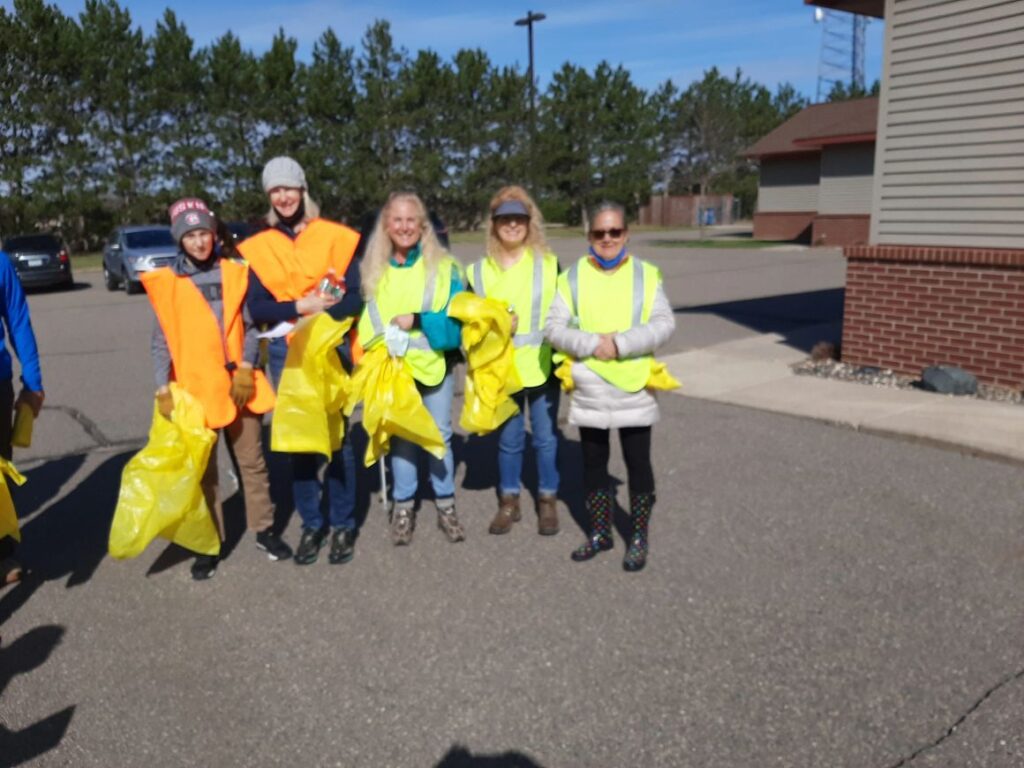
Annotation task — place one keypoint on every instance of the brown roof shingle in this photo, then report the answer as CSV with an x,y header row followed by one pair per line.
x,y
818,124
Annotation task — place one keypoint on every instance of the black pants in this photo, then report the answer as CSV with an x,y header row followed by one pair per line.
x,y
636,451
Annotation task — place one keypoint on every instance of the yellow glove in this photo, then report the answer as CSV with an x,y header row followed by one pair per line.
x,y
164,402
243,385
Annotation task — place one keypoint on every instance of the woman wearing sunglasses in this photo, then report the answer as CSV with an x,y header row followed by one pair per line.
x,y
609,315
520,269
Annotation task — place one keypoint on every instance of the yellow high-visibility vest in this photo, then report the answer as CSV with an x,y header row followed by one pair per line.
x,y
612,302
404,290
529,287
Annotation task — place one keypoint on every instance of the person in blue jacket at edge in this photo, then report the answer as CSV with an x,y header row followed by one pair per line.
x,y
18,325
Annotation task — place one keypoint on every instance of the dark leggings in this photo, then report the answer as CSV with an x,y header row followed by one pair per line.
x,y
636,451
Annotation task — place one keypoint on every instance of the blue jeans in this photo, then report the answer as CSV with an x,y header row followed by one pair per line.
x,y
339,496
309,493
543,407
438,400
277,351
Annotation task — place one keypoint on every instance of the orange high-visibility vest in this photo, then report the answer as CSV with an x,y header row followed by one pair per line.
x,y
200,353
292,268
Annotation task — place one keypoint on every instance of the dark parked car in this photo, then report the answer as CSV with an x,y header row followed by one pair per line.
x,y
131,250
40,260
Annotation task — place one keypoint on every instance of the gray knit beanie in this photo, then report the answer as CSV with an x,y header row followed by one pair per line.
x,y
188,214
283,172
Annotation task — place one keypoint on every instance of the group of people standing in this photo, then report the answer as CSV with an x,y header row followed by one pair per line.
x,y
591,328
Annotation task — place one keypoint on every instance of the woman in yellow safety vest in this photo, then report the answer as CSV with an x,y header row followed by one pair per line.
x,y
408,280
609,315
520,269
289,260
205,340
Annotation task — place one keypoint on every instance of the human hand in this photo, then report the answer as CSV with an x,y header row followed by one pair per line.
x,y
312,303
606,349
164,402
33,400
243,385
403,321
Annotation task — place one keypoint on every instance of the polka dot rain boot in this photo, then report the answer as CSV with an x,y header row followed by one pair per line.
x,y
599,505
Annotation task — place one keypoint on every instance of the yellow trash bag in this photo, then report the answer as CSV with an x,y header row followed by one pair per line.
x,y
659,377
491,375
160,493
8,517
392,406
313,390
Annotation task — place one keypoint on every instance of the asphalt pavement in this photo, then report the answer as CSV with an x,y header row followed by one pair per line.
x,y
816,595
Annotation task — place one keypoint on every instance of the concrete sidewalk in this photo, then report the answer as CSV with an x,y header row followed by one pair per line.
x,y
756,373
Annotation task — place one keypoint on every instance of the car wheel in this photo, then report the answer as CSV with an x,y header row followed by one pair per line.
x,y
108,279
130,287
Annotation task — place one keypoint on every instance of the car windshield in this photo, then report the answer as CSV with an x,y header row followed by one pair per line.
x,y
150,238
31,243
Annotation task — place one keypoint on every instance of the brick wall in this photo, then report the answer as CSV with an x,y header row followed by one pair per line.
x,y
783,226
910,307
837,230
681,210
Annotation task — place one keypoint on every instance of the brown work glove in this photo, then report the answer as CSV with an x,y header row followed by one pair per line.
x,y
34,400
243,385
165,402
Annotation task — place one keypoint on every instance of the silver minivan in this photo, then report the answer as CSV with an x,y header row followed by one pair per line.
x,y
131,250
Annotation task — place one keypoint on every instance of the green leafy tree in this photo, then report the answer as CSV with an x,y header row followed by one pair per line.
x,y
329,88
233,82
180,98
841,91
378,150
121,115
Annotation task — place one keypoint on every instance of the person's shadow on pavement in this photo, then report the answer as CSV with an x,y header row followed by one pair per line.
x,y
28,652
460,757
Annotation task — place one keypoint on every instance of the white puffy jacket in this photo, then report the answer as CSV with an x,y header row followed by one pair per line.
x,y
595,402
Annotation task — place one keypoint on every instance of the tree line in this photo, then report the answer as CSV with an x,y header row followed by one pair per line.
x,y
103,124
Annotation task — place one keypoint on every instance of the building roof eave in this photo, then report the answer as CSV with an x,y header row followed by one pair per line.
x,y
875,8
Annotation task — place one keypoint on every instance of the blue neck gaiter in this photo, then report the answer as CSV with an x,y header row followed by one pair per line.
x,y
608,263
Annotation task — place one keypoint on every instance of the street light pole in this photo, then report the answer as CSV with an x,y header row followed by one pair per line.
x,y
528,22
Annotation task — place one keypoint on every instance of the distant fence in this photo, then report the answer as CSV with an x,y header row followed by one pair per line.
x,y
687,211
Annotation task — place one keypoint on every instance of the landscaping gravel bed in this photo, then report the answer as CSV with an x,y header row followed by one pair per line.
x,y
884,377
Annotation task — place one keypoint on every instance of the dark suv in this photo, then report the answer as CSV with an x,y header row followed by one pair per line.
x,y
131,250
40,260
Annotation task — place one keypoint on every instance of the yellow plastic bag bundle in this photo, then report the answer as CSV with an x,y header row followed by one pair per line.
x,y
491,375
659,378
8,517
392,406
160,493
313,390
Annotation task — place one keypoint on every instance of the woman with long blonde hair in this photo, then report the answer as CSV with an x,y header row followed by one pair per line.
x,y
520,269
408,280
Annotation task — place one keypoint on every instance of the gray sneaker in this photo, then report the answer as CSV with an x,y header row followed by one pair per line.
x,y
402,524
449,523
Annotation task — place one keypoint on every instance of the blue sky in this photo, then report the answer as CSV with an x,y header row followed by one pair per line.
x,y
771,40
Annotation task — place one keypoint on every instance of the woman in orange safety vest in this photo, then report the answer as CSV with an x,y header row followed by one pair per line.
x,y
205,341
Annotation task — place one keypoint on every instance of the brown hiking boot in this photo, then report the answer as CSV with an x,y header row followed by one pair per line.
x,y
449,523
547,515
508,513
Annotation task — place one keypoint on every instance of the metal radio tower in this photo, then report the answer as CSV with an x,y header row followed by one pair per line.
x,y
842,50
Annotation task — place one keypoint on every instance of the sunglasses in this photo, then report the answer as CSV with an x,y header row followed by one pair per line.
x,y
600,234
506,220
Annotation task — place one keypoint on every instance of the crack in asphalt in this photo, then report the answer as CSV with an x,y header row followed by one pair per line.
x,y
87,424
1018,675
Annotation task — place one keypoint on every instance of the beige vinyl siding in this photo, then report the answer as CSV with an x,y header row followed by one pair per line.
x,y
789,184
846,179
950,155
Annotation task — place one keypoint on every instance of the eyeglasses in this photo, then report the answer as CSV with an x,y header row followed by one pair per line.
x,y
505,221
600,234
